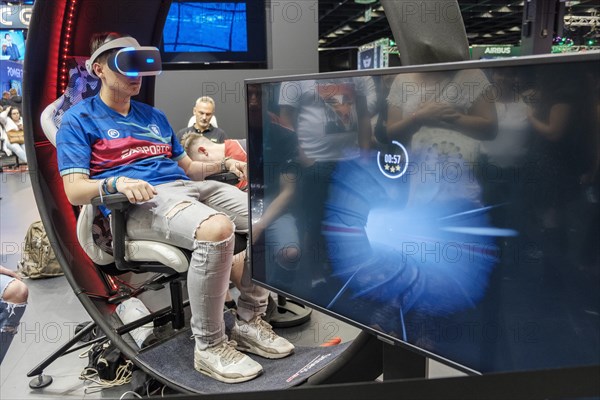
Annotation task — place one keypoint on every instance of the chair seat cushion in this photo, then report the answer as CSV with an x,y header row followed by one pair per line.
x,y
137,250
147,251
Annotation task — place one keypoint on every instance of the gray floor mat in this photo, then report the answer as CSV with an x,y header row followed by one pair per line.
x,y
174,360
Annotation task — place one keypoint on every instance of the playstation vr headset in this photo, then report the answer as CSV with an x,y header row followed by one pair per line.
x,y
130,60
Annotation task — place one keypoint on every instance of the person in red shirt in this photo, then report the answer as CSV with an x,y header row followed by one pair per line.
x,y
200,148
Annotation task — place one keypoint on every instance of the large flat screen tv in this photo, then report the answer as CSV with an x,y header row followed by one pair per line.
x,y
450,208
215,34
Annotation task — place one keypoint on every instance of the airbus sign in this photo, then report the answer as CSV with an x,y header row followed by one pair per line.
x,y
497,50
494,51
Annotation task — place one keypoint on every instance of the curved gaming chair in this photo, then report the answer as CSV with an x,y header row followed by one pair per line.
x,y
92,272
88,267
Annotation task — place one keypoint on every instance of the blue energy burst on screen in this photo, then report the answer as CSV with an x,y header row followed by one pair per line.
x,y
435,256
206,27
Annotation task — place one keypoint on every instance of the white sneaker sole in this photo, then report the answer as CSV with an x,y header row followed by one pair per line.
x,y
206,370
248,348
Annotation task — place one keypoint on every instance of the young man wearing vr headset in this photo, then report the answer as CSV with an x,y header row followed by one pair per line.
x,y
110,143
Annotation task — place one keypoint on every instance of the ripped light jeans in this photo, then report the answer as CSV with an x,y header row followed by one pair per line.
x,y
172,217
10,316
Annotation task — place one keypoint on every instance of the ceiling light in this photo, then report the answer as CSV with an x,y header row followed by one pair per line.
x,y
339,32
487,35
331,35
380,8
360,19
486,15
501,32
504,9
322,41
472,35
347,28
515,29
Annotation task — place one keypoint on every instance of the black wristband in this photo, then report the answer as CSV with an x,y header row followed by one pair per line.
x,y
224,164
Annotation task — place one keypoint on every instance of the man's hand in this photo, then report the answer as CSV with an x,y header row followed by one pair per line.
x,y
239,168
136,190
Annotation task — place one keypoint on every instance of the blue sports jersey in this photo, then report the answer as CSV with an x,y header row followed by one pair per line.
x,y
94,139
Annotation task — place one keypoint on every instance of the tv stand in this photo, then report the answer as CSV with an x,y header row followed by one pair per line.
x,y
367,358
401,363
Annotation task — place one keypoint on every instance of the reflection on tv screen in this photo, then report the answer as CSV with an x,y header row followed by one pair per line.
x,y
206,27
452,209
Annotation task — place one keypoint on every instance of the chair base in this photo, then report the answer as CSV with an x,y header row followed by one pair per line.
x,y
40,381
289,313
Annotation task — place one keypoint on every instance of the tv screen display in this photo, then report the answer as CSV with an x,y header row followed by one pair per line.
x,y
202,32
451,208
13,45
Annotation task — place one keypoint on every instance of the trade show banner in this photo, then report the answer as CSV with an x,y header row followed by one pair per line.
x,y
13,45
494,51
11,75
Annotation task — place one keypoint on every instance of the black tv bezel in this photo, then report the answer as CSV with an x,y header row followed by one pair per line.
x,y
253,147
255,58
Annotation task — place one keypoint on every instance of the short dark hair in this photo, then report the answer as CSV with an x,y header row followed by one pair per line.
x,y
98,39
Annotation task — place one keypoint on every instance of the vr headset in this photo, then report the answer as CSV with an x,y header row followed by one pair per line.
x,y
131,59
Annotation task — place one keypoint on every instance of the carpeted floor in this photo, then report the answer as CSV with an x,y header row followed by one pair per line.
x,y
174,360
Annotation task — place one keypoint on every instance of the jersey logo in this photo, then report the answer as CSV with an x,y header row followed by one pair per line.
x,y
113,133
155,129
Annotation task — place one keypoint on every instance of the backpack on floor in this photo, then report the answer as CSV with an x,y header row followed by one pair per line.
x,y
38,259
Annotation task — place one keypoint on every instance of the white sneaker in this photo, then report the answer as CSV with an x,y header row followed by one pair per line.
x,y
257,337
224,363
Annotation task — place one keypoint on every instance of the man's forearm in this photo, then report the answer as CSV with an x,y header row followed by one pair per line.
x,y
81,189
199,170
